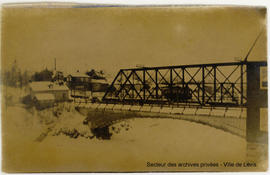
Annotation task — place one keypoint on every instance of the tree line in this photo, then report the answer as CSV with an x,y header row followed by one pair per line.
x,y
16,78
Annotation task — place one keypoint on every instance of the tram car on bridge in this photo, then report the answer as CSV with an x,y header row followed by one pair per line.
x,y
177,93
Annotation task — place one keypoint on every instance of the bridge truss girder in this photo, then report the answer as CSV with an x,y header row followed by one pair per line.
x,y
220,84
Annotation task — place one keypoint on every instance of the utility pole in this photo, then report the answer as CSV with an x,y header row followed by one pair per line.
x,y
249,51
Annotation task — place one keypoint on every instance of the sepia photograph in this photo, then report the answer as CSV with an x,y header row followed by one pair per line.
x,y
133,88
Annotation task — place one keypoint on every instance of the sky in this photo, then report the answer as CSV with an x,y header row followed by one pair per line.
x,y
111,38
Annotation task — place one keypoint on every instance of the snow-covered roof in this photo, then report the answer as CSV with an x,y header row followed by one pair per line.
x,y
39,86
44,96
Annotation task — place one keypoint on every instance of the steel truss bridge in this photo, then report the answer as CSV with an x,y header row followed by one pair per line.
x,y
229,96
231,84
219,84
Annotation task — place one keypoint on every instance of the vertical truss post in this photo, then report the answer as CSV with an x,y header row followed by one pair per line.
x,y
232,84
171,84
121,81
156,82
198,86
203,86
215,83
183,77
133,84
144,85
241,85
221,92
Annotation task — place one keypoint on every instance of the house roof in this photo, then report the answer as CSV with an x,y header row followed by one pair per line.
x,y
44,96
39,86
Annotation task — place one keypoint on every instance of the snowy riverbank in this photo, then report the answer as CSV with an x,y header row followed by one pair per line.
x,y
145,140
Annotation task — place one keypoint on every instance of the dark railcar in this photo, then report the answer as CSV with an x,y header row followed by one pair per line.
x,y
177,93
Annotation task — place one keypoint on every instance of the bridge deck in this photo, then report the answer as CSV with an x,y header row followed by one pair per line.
x,y
232,120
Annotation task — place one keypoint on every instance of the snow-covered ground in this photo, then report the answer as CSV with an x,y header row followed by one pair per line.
x,y
145,140
39,141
